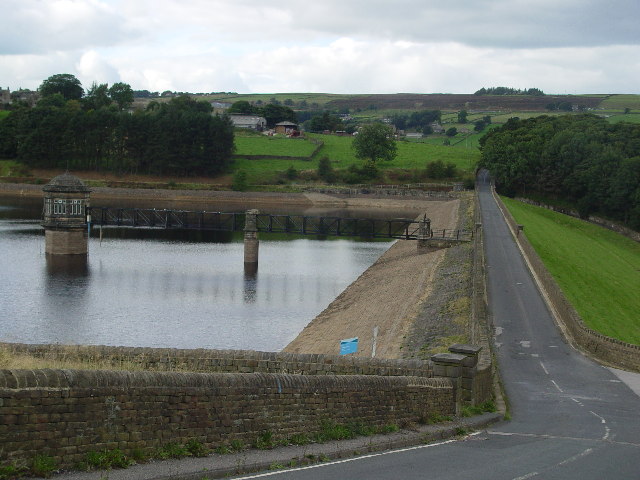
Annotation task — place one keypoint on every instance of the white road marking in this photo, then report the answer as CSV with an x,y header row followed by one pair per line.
x,y
556,385
539,435
544,368
528,475
525,343
576,457
607,430
337,462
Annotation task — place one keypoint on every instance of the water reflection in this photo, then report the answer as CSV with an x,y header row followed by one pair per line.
x,y
67,266
250,282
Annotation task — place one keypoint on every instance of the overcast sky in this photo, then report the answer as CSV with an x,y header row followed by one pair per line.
x,y
335,46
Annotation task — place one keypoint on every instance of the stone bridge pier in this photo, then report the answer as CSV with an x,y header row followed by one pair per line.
x,y
251,243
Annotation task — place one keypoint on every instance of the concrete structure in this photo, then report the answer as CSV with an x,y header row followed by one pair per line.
x,y
251,243
66,200
424,233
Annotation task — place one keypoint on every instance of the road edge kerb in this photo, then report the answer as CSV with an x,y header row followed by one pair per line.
x,y
334,450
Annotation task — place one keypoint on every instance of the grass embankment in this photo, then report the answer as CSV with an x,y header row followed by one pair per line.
x,y
597,269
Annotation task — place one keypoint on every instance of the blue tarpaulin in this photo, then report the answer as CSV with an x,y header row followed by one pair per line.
x,y
348,345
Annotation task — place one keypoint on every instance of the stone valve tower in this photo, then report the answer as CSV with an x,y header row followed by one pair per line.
x,y
65,218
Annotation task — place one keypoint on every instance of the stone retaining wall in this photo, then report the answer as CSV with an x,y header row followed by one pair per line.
x,y
608,350
67,413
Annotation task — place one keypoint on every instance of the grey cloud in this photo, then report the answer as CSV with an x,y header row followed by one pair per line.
x,y
37,27
481,23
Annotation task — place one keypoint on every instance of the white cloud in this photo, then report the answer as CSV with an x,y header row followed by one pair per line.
x,y
92,67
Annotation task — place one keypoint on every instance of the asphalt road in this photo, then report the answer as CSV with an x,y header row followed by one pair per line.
x,y
571,417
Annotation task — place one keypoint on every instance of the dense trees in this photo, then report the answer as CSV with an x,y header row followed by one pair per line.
x,y
324,121
178,137
581,159
420,120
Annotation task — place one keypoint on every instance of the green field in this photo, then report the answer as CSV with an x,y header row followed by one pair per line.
x,y
411,155
629,118
273,146
4,113
597,269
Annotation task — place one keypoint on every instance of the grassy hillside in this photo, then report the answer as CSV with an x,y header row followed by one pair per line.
x,y
620,102
411,155
597,269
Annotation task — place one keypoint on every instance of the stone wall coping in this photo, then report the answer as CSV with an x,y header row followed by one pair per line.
x,y
465,349
67,379
448,358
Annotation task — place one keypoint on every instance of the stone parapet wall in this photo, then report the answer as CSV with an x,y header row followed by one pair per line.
x,y
221,361
606,349
68,413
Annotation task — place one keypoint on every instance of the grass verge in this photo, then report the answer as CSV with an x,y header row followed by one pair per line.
x,y
597,269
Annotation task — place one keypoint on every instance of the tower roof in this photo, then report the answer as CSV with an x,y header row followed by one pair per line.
x,y
65,183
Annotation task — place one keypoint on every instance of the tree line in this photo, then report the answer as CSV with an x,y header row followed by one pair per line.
x,y
70,129
509,91
579,159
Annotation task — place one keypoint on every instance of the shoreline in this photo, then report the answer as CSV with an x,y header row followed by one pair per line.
x,y
386,299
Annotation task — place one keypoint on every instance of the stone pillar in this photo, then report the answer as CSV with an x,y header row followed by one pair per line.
x,y
460,366
468,370
251,243
65,221
424,233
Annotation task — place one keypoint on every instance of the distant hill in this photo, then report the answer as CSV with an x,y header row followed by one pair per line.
x,y
442,101
417,101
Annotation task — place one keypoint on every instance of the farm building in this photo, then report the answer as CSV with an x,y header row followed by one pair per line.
x,y
254,122
286,128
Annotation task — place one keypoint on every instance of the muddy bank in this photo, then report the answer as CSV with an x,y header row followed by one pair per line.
x,y
267,201
389,295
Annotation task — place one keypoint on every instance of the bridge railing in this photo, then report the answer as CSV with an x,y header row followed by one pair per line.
x,y
400,228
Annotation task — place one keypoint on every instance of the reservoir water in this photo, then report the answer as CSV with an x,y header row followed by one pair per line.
x,y
167,288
